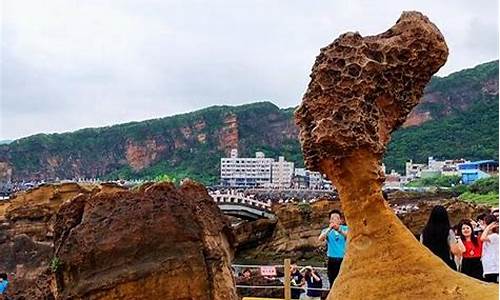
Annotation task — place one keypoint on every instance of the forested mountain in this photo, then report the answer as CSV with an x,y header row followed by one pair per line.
x,y
458,118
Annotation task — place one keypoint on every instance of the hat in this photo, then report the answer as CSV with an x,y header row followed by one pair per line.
x,y
305,268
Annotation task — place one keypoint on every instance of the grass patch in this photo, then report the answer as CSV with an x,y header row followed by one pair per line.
x,y
490,198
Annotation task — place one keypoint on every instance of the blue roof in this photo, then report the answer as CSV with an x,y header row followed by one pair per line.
x,y
471,171
479,162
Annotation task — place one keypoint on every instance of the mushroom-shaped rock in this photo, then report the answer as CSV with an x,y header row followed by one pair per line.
x,y
361,90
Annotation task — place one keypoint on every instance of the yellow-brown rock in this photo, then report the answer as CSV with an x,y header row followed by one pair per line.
x,y
160,242
361,90
26,236
294,233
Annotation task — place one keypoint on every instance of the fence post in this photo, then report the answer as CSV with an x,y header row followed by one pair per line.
x,y
288,291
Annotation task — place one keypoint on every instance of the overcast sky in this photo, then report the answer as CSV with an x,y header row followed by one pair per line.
x,y
72,64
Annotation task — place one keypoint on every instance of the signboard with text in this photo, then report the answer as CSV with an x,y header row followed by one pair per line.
x,y
268,271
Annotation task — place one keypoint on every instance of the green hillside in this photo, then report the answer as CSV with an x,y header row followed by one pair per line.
x,y
463,107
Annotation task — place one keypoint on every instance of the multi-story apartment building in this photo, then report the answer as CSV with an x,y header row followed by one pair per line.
x,y
282,173
259,171
306,179
246,172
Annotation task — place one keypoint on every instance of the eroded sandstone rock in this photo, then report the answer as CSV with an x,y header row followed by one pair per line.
x,y
361,90
296,232
160,242
70,241
26,237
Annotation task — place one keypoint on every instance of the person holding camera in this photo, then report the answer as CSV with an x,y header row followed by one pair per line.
x,y
335,236
313,284
297,281
490,249
471,257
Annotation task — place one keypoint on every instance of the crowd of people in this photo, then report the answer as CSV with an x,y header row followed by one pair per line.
x,y
306,282
470,247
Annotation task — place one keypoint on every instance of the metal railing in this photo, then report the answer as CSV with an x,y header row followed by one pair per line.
x,y
287,286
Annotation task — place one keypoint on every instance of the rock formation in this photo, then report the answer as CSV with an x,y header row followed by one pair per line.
x,y
361,90
295,234
26,237
154,243
70,241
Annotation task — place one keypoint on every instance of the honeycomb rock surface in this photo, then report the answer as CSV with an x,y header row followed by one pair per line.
x,y
363,88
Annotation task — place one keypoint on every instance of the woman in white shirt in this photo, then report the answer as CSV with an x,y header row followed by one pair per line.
x,y
490,249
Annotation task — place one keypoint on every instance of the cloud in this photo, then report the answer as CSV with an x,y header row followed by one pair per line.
x,y
68,64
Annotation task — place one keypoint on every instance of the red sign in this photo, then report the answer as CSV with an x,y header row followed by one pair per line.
x,y
268,271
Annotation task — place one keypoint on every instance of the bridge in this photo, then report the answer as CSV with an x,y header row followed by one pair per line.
x,y
237,204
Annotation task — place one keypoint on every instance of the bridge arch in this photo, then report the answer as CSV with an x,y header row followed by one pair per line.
x,y
237,204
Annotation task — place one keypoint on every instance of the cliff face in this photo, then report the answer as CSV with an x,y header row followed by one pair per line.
x,y
104,242
191,144
461,106
444,99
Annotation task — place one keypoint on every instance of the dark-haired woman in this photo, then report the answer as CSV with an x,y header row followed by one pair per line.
x,y
471,258
440,238
490,249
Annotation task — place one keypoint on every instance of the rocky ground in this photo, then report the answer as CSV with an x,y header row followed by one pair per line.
x,y
70,241
294,233
156,242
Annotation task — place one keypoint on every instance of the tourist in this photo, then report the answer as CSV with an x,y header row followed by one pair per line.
x,y
4,283
439,237
457,256
494,211
313,282
297,281
479,225
490,249
335,236
471,258
247,274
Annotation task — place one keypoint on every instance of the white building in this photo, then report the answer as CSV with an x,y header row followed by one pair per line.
x,y
413,170
304,178
445,167
282,173
246,172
